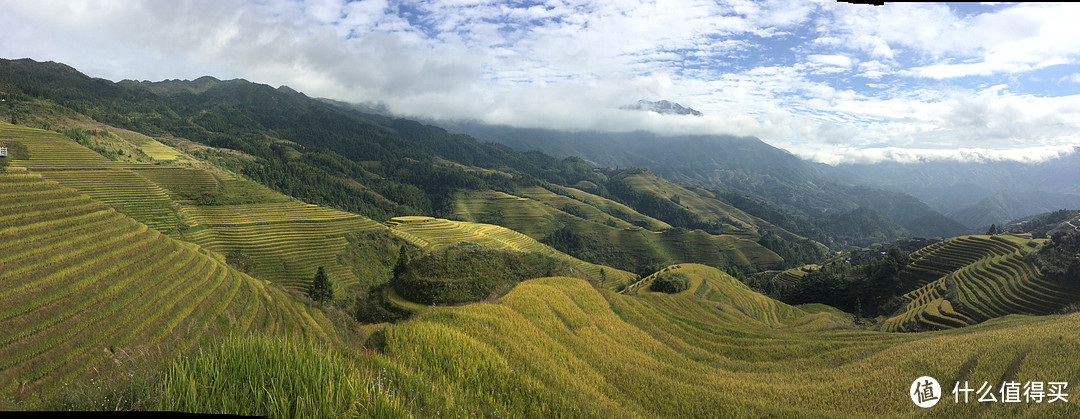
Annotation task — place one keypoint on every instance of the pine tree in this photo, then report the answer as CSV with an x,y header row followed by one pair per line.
x,y
993,230
402,262
321,290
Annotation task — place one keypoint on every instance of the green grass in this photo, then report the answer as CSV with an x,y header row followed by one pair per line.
x,y
270,377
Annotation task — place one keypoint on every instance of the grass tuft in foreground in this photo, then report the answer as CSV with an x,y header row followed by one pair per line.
x,y
273,377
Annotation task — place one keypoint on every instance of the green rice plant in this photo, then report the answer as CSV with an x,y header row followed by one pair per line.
x,y
267,377
119,295
125,190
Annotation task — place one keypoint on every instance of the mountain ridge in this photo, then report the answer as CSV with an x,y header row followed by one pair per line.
x,y
744,165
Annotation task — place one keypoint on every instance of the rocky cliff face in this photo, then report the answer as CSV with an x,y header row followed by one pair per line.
x,y
663,107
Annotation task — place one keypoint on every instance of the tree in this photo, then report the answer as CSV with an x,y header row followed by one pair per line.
x,y
993,230
402,262
321,289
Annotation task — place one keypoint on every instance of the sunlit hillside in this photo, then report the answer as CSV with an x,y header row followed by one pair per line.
x,y
558,347
89,293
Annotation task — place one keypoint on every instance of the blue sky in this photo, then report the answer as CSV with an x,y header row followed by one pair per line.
x,y
829,81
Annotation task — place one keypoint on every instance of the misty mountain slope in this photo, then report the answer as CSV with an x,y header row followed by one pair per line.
x,y
1003,207
951,186
743,165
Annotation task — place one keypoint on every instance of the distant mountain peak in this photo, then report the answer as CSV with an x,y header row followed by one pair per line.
x,y
662,107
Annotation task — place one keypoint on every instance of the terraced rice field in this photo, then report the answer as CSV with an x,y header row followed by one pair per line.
x,y
181,181
428,232
285,242
86,292
590,212
933,261
728,294
699,201
260,213
126,191
58,158
789,277
48,150
612,207
524,215
159,151
555,347
998,283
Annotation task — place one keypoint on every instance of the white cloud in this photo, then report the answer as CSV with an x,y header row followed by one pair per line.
x,y
838,155
833,60
1074,78
786,71
1014,39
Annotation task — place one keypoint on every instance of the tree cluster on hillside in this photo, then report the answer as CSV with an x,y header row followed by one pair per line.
x,y
794,252
466,272
859,227
659,207
1059,258
671,283
1041,225
773,214
867,290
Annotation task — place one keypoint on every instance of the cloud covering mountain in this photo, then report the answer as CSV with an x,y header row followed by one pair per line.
x,y
829,81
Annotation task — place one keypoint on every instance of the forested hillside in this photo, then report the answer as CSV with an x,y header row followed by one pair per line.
x,y
371,165
377,167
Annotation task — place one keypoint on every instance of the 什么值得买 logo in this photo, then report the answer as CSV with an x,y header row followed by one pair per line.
x,y
926,392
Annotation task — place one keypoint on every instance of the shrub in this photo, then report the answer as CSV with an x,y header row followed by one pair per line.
x,y
671,283
465,272
373,307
